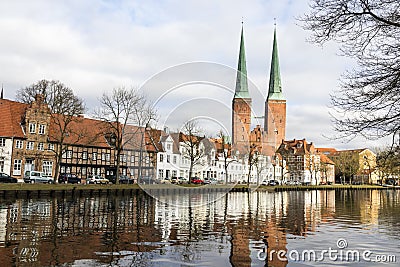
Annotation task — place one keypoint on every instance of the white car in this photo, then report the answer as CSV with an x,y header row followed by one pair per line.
x,y
97,179
37,177
166,181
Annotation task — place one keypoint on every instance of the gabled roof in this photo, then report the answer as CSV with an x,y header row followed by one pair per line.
x,y
324,159
327,150
81,131
296,147
11,114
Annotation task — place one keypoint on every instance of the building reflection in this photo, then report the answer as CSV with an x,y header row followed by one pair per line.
x,y
135,230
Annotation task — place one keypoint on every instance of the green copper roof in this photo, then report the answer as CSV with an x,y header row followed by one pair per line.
x,y
275,87
241,90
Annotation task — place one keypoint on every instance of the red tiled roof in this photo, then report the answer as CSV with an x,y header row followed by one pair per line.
x,y
324,158
11,114
327,150
81,131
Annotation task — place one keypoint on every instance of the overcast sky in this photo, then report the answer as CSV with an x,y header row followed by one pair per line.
x,y
182,53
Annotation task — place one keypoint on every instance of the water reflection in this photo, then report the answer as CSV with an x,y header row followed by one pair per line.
x,y
140,230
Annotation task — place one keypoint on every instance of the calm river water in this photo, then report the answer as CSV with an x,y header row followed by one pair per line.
x,y
314,228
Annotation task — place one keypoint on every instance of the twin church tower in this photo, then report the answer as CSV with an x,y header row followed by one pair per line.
x,y
265,139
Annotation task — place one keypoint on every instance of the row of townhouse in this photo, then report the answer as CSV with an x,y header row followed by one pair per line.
x,y
304,163
173,161
29,141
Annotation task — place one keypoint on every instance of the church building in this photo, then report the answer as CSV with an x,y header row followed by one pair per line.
x,y
267,138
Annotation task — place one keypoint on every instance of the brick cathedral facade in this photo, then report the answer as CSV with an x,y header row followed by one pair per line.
x,y
265,139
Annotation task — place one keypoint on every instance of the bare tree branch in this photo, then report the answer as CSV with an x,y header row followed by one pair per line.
x,y
368,101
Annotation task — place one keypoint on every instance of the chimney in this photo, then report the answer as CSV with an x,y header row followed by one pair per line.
x,y
39,98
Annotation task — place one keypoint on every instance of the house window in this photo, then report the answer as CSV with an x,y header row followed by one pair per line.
x,y
161,157
103,156
108,157
32,127
41,146
42,128
2,142
161,173
69,154
94,156
19,144
48,167
168,158
51,147
84,155
168,146
1,164
83,170
17,167
132,159
30,145
174,160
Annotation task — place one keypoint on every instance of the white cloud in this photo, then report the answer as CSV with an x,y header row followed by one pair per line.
x,y
93,46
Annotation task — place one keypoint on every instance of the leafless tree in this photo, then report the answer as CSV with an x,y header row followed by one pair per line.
x,y
252,159
346,164
225,152
261,164
191,140
65,108
388,163
368,102
119,111
313,165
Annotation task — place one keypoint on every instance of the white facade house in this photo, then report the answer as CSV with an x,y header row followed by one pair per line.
x,y
173,161
168,160
5,154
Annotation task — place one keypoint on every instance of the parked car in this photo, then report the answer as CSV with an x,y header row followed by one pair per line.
x,y
210,181
174,180
5,178
182,180
123,179
293,183
69,178
97,179
273,182
166,180
37,177
148,180
197,180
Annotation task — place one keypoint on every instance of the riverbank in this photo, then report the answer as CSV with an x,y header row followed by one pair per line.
x,y
42,190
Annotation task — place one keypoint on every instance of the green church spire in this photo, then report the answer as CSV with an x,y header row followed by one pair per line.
x,y
275,87
241,90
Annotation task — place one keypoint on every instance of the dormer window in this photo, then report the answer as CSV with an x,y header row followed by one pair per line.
x,y
168,146
32,127
299,145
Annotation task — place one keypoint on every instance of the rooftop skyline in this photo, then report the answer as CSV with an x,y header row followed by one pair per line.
x,y
94,46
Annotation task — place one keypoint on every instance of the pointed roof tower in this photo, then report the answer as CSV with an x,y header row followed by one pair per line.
x,y
275,87
241,90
